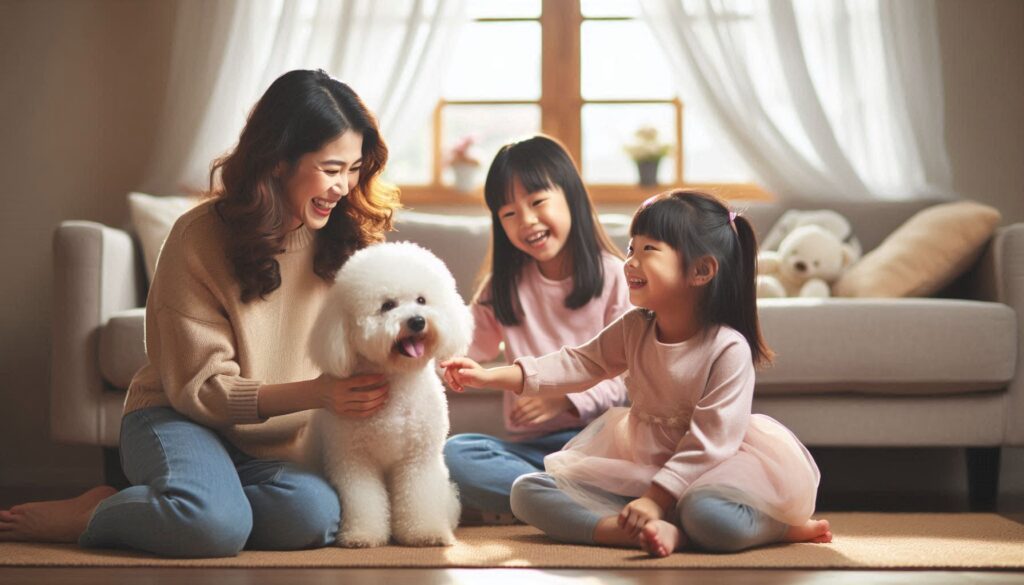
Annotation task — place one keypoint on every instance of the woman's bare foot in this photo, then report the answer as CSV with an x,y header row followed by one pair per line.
x,y
52,521
660,538
812,531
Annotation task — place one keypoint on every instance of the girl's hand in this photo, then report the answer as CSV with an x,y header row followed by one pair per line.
x,y
534,410
636,514
460,372
356,397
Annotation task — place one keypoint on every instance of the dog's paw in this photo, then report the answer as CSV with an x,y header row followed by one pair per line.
x,y
446,538
360,540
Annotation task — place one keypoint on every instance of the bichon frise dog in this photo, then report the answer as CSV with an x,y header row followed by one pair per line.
x,y
393,309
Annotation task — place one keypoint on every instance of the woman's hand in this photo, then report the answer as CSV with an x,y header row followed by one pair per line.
x,y
534,410
357,397
636,514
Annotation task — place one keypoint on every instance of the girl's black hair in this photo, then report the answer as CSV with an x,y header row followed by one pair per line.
x,y
541,163
696,225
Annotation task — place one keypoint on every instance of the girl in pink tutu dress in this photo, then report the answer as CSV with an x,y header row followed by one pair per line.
x,y
688,464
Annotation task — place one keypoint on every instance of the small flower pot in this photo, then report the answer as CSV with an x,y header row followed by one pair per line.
x,y
648,170
465,176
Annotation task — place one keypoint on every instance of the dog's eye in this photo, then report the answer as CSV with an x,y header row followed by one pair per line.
x,y
387,306
421,300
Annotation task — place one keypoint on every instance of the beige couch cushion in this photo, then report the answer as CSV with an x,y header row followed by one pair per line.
x,y
882,346
152,219
123,347
924,254
870,346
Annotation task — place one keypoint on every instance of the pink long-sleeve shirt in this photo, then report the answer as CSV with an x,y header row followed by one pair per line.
x,y
546,326
692,399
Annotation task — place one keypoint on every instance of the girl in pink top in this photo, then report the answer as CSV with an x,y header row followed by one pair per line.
x,y
687,464
554,280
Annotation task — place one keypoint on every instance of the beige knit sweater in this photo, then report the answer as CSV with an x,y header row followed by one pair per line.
x,y
209,353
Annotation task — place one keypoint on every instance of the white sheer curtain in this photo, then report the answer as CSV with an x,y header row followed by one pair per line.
x,y
822,98
226,53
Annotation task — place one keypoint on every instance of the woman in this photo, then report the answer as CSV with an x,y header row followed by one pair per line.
x,y
213,423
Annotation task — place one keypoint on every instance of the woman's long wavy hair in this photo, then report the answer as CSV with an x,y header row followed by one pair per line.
x,y
541,163
300,112
696,224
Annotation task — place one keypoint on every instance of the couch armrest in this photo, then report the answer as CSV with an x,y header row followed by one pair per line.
x,y
1000,277
96,273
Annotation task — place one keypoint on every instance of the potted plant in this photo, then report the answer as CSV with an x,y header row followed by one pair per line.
x,y
464,163
647,151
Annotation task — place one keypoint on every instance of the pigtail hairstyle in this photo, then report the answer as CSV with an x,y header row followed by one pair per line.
x,y
743,316
300,112
541,163
696,225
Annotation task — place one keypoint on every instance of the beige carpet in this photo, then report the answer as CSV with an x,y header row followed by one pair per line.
x,y
862,541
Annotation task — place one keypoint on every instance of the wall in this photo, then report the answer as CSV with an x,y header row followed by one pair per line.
x,y
982,44
82,84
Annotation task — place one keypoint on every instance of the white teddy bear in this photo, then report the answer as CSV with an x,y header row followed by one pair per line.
x,y
810,258
830,220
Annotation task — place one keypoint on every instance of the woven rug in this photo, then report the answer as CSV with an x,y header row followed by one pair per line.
x,y
862,541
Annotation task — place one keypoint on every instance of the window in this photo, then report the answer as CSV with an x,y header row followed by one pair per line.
x,y
587,72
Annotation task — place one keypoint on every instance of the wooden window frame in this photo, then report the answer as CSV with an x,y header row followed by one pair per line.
x,y
561,105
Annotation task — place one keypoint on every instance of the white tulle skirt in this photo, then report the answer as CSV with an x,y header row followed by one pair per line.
x,y
619,455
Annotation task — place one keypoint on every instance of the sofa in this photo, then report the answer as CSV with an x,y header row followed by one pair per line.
x,y
944,371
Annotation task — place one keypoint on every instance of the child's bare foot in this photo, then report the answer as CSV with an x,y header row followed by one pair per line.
x,y
812,531
52,521
608,533
660,538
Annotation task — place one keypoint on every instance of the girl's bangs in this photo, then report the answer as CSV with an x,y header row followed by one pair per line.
x,y
534,176
656,221
533,172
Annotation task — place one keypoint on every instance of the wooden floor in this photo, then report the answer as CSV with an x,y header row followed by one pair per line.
x,y
70,576
203,576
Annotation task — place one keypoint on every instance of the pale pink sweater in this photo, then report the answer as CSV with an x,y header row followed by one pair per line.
x,y
546,326
697,393
209,353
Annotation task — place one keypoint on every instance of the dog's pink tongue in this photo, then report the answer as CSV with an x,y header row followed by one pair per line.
x,y
413,346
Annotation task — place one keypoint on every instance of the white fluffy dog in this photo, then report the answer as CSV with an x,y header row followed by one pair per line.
x,y
393,309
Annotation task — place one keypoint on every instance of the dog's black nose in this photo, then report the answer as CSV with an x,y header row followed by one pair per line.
x,y
800,266
416,323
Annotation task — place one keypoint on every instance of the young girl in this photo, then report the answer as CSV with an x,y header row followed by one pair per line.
x,y
554,280
687,464
212,420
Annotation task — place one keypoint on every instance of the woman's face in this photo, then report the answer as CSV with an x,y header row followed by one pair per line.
x,y
315,184
539,224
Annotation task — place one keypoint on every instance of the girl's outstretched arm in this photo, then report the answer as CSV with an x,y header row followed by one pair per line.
x,y
460,372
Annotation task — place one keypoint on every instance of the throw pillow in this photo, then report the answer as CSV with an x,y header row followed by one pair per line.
x,y
924,254
152,218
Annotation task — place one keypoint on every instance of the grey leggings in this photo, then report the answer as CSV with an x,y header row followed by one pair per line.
x,y
710,522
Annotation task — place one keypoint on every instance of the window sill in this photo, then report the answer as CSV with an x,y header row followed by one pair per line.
x,y
447,195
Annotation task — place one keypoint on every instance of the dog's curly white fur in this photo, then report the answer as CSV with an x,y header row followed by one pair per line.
x,y
393,309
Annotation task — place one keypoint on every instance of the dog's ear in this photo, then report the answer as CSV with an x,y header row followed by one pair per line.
x,y
460,334
329,344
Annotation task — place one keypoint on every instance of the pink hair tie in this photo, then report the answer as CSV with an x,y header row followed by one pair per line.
x,y
732,216
649,201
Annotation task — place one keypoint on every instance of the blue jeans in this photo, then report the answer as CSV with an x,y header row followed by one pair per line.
x,y
484,467
711,522
194,494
